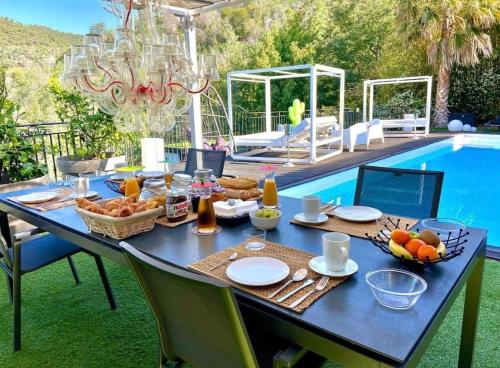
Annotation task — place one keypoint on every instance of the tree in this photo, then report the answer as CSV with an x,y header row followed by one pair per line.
x,y
453,32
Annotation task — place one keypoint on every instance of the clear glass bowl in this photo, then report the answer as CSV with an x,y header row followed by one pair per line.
x,y
445,228
396,289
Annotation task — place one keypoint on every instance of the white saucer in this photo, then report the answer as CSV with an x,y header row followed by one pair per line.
x,y
318,265
321,218
90,194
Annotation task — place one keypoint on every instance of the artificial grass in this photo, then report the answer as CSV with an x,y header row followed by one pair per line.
x,y
72,326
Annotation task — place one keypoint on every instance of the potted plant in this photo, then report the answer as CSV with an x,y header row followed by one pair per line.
x,y
18,155
91,132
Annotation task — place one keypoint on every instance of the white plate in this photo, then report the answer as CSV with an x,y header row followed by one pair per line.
x,y
38,197
357,213
257,271
90,194
318,265
321,218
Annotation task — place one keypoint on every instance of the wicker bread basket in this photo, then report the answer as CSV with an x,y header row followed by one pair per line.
x,y
120,227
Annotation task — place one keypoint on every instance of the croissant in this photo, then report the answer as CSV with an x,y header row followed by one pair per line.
x,y
82,202
124,212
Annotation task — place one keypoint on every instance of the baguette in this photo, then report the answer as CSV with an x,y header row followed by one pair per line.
x,y
238,183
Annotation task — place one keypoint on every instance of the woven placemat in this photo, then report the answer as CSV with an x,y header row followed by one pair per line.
x,y
62,200
294,258
359,229
163,220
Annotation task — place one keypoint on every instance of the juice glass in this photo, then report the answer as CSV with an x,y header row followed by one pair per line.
x,y
270,191
132,187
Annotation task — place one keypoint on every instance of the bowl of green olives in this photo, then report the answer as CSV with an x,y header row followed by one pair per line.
x,y
265,218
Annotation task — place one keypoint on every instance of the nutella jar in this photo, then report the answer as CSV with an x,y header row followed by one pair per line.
x,y
177,206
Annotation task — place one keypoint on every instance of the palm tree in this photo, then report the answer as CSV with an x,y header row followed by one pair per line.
x,y
453,32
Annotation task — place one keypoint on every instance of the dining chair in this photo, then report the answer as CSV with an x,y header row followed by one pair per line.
x,y
400,192
198,318
34,254
206,159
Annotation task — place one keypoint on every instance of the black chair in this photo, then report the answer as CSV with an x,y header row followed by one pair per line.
x,y
206,159
400,192
199,320
29,256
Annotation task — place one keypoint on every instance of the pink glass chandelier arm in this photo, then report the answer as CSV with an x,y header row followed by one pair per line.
x,y
113,95
188,90
94,88
104,70
127,17
152,93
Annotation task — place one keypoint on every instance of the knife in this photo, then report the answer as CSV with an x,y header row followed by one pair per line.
x,y
305,284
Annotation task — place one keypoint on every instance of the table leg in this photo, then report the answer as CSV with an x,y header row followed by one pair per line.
x,y
4,228
471,312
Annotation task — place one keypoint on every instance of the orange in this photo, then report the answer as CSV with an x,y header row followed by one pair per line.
x,y
400,236
427,253
414,245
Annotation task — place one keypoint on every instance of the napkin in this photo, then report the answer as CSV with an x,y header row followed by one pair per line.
x,y
240,207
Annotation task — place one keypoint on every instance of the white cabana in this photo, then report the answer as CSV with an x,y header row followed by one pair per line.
x,y
405,125
312,136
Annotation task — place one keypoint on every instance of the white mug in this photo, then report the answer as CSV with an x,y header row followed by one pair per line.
x,y
311,205
336,250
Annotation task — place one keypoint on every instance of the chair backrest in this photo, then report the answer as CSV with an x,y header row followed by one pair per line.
x,y
198,318
205,159
372,122
4,251
400,192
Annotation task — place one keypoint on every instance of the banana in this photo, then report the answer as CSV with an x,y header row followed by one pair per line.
x,y
399,250
441,249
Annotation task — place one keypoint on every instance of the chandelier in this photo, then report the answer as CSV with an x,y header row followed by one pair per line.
x,y
145,76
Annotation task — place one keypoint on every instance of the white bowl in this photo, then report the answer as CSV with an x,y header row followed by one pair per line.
x,y
263,222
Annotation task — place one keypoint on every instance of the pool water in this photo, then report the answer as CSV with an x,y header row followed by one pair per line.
x,y
471,187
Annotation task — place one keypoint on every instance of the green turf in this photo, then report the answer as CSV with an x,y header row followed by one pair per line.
x,y
72,326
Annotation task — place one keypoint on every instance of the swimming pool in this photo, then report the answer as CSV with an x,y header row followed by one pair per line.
x,y
471,187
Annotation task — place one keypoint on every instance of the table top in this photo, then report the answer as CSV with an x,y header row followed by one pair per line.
x,y
348,314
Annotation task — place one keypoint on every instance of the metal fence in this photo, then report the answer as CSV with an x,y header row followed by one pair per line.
x,y
54,141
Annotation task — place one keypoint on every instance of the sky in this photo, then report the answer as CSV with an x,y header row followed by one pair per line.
x,y
75,16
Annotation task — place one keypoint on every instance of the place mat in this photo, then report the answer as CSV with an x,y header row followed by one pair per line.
x,y
359,229
163,220
294,258
62,200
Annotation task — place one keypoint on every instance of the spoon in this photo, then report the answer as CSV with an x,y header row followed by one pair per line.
x,y
232,257
299,275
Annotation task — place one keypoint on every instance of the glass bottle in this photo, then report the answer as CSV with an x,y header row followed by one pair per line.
x,y
270,192
206,214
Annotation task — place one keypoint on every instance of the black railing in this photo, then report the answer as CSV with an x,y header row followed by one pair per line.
x,y
54,141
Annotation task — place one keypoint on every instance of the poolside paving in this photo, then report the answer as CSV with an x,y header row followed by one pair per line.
x,y
301,173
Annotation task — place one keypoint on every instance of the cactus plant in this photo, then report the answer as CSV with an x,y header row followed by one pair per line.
x,y
295,111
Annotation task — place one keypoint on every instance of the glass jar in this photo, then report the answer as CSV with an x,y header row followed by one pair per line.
x,y
154,189
177,206
202,176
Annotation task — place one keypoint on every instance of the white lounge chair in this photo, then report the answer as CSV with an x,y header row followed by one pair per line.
x,y
299,136
363,133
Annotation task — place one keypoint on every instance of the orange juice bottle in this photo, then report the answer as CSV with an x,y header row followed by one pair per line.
x,y
131,187
270,191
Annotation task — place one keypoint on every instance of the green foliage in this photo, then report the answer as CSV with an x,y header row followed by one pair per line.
x,y
17,154
92,127
477,89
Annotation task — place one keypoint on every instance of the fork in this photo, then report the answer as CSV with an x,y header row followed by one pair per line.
x,y
319,286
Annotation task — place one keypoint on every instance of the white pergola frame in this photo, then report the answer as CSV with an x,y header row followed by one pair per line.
x,y
266,76
368,96
195,121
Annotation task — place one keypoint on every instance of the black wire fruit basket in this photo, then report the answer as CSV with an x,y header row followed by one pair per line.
x,y
454,243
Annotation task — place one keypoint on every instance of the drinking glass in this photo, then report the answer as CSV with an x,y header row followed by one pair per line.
x,y
255,239
81,186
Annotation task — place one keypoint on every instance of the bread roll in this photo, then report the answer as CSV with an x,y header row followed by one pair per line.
x,y
237,194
